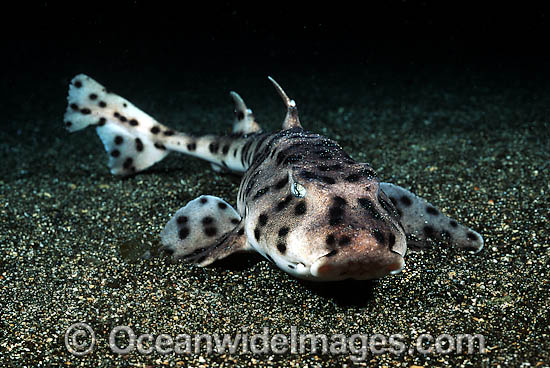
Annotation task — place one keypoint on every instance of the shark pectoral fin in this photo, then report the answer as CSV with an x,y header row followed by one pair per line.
x,y
421,221
205,230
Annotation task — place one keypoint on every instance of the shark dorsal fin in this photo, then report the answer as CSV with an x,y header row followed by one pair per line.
x,y
291,120
244,121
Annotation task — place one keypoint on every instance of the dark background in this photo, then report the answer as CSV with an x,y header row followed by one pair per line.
x,y
129,34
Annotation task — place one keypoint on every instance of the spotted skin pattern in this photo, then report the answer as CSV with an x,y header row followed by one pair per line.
x,y
303,203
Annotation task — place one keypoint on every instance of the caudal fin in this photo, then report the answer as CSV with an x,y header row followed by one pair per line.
x,y
132,139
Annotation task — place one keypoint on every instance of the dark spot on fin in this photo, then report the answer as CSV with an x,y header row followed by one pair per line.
x,y
432,211
406,200
429,231
183,233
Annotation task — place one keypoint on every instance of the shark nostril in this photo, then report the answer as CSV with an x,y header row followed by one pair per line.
x,y
391,240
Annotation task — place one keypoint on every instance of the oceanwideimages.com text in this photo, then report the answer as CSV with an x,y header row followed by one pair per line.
x,y
80,339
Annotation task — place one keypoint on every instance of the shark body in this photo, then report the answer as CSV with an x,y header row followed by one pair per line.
x,y
303,203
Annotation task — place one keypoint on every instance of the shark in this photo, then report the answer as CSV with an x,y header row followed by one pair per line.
x,y
303,202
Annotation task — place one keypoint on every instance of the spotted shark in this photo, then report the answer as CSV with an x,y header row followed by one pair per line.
x,y
303,203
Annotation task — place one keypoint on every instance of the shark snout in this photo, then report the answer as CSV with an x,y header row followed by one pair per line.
x,y
359,268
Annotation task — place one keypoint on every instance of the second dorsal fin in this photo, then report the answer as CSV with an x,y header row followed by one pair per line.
x,y
244,122
291,120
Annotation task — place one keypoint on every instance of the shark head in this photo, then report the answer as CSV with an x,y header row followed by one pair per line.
x,y
333,220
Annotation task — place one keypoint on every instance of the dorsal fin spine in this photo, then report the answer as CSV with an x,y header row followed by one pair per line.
x,y
291,120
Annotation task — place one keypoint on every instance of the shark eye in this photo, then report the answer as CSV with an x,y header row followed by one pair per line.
x,y
298,190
